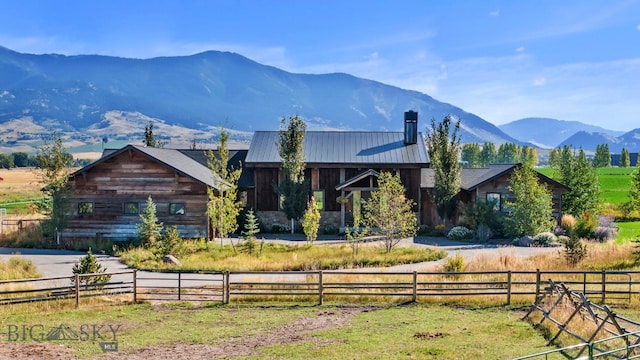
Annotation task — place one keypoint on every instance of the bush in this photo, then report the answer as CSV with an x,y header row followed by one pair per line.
x,y
454,264
586,225
460,233
280,228
483,233
89,265
331,230
606,230
574,250
544,238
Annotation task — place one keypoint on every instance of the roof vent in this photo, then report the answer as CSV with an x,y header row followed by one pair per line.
x,y
410,127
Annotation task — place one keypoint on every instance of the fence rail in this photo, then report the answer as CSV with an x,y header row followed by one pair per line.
x,y
318,286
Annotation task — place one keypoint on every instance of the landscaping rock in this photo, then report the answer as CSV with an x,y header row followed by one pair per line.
x,y
525,241
170,259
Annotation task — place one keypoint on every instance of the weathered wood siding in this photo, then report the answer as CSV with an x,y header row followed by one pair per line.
x,y
266,197
131,177
328,179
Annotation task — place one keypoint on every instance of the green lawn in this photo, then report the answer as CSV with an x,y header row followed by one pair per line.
x,y
414,331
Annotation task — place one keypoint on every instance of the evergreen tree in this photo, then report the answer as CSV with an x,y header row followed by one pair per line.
x,y
633,203
223,207
89,265
529,156
444,153
508,153
311,221
149,228
54,162
602,157
149,138
531,211
390,211
488,154
471,154
625,159
251,228
293,189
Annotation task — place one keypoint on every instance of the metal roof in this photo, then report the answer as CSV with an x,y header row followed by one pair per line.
x,y
348,147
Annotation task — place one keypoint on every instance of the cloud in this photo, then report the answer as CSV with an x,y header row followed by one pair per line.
x,y
539,81
638,27
520,49
495,12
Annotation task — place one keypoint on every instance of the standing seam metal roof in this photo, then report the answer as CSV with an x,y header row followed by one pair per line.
x,y
334,147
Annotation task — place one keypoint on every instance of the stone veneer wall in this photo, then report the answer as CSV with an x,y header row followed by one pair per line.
x,y
268,218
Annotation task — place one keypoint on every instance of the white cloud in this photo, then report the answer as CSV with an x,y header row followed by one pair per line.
x,y
539,81
520,49
638,27
495,12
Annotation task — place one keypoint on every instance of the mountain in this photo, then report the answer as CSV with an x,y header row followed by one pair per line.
x,y
83,95
549,133
589,141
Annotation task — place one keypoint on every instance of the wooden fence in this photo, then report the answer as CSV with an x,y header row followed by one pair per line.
x,y
318,286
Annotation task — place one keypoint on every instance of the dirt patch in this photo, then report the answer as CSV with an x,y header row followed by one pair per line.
x,y
294,332
36,351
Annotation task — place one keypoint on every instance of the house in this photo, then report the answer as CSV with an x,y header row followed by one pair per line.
x,y
108,195
342,167
491,183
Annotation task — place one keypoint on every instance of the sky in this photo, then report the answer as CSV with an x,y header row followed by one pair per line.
x,y
502,60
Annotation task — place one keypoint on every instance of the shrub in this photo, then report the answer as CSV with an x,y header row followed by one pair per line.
x,y
460,233
280,228
483,233
331,230
454,264
441,228
568,222
606,230
574,250
544,238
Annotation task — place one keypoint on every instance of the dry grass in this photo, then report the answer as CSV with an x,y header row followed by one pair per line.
x,y
19,184
18,268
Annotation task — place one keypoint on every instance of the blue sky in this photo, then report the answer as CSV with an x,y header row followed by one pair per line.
x,y
502,60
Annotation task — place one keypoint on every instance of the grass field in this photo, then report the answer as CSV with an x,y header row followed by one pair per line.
x,y
17,188
413,331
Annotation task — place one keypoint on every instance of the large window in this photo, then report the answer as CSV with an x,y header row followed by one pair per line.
x,y
85,208
176,208
496,199
131,208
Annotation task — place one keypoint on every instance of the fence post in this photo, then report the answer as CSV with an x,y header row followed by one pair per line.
x,y
320,288
604,285
226,295
135,286
179,285
509,287
537,283
415,287
77,278
584,283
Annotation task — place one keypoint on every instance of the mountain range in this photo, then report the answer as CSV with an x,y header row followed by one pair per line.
x,y
94,100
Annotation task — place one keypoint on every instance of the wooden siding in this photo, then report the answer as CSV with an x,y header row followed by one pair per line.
x,y
328,179
131,177
266,197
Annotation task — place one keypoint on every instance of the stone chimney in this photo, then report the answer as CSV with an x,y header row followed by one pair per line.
x,y
410,127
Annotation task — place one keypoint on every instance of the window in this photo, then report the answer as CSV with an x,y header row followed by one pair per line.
x,y
131,208
243,198
85,208
495,199
176,208
318,195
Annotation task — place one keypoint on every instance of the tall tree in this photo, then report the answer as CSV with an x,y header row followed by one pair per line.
x,y
625,159
53,172
602,157
293,189
223,207
531,211
444,149
633,203
508,153
471,154
311,221
488,154
149,137
149,228
529,156
390,211
576,172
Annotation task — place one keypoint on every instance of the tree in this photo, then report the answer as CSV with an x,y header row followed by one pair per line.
x,y
529,156
311,221
293,189
149,138
390,211
223,207
576,172
149,228
444,153
20,159
471,154
625,159
602,157
89,265
633,204
531,211
488,154
508,153
54,162
251,228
